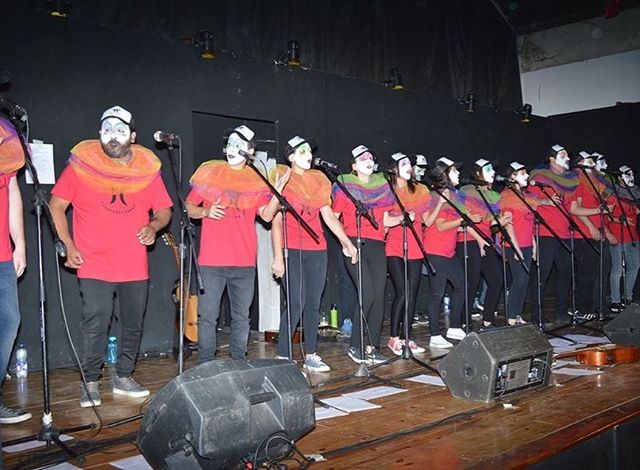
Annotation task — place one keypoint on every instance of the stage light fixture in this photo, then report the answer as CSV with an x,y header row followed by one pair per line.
x,y
469,102
291,56
204,40
58,8
526,113
395,80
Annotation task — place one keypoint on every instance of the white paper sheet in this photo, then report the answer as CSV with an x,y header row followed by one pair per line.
x,y
31,445
374,392
578,372
325,413
427,379
42,158
586,339
561,363
60,466
137,462
350,404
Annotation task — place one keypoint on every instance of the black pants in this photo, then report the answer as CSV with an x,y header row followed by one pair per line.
x,y
395,267
447,269
519,280
307,276
97,309
488,266
374,278
587,270
551,253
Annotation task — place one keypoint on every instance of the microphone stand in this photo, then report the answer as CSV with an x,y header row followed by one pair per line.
x,y
602,209
361,211
539,220
48,433
466,223
407,223
186,233
285,207
504,238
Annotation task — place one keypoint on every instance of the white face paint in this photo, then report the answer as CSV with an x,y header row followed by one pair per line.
x,y
419,172
365,164
115,137
522,178
454,176
488,173
589,162
235,143
562,159
302,156
628,178
404,169
601,164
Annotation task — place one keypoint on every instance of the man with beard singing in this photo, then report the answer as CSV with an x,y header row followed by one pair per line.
x,y
119,204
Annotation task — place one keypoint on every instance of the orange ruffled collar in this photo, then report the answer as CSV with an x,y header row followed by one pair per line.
x,y
11,152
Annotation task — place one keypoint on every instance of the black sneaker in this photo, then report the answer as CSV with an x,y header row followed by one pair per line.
x,y
420,319
376,357
354,354
93,397
616,307
11,416
583,316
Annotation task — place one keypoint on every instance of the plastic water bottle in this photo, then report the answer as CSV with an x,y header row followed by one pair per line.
x,y
22,368
447,310
333,316
112,350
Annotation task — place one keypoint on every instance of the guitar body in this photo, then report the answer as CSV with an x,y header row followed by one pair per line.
x,y
191,304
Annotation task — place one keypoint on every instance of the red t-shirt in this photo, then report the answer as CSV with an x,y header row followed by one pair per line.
x,y
344,206
617,229
523,218
6,249
105,227
441,243
589,201
393,246
232,240
552,215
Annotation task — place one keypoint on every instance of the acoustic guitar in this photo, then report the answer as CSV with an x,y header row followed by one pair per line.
x,y
191,306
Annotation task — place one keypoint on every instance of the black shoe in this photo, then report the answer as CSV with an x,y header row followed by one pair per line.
x,y
583,316
420,319
356,356
616,307
376,357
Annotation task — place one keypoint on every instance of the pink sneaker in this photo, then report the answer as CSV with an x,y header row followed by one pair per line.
x,y
395,344
415,349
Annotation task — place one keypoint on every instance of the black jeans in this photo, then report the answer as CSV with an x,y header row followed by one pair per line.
x,y
587,270
97,309
519,280
240,281
550,253
374,278
488,266
307,277
395,267
447,269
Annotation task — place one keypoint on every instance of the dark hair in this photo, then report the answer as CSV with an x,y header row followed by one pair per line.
x,y
393,165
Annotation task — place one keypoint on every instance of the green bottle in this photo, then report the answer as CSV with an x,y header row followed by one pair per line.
x,y
333,316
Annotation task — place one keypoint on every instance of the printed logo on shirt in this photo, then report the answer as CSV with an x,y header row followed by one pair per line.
x,y
118,205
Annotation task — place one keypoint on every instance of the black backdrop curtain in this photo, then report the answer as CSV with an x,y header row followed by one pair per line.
x,y
442,47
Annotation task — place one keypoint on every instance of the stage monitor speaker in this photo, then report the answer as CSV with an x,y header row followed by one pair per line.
x,y
495,363
219,412
625,328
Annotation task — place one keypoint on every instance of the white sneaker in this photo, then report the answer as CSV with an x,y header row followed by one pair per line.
x,y
456,333
439,342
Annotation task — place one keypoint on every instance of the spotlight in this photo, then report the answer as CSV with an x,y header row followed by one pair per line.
x,y
204,40
291,56
58,8
469,102
526,113
395,80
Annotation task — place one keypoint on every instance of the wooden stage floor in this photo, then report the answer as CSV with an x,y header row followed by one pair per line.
x,y
424,427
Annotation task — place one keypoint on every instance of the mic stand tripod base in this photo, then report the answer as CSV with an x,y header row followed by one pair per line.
x,y
407,354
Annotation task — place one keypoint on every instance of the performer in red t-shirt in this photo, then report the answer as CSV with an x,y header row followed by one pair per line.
x,y
415,199
442,223
585,206
13,258
309,193
627,236
561,183
119,204
372,190
227,196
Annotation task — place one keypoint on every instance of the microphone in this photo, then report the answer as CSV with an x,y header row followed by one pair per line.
x,y
541,185
160,136
584,167
612,172
502,179
246,155
324,164
473,182
14,109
